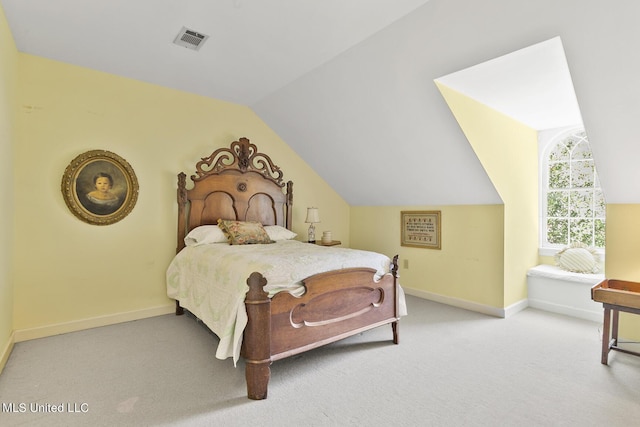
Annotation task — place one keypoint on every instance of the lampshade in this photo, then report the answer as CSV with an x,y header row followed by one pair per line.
x,y
312,215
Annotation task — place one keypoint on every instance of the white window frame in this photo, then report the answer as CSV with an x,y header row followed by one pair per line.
x,y
549,249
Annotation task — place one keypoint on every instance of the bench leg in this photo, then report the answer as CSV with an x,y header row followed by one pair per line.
x,y
605,336
614,327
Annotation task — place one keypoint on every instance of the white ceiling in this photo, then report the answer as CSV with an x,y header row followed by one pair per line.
x,y
349,84
255,47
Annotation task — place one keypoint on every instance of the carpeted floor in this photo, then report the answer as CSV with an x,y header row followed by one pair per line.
x,y
452,368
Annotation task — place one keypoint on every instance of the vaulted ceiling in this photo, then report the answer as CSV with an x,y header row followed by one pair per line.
x,y
349,85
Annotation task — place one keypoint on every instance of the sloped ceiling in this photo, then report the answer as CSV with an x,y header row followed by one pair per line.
x,y
254,48
349,85
373,124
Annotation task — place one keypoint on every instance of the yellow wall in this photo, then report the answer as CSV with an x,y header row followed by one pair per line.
x,y
623,255
56,272
67,270
8,64
508,151
468,267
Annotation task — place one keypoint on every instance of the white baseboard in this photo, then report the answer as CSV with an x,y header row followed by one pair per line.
x,y
516,307
566,310
93,322
469,305
4,356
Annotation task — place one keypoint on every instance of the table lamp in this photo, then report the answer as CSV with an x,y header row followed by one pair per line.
x,y
312,217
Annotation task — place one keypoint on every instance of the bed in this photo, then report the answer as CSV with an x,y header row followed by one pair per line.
x,y
258,315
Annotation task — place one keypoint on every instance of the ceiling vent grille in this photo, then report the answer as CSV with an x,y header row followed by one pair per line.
x,y
190,39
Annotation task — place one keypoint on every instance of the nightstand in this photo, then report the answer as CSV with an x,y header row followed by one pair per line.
x,y
331,243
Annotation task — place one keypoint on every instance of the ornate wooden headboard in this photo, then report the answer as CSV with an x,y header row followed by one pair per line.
x,y
236,183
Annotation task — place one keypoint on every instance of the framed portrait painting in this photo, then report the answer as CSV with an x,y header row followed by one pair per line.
x,y
100,187
420,229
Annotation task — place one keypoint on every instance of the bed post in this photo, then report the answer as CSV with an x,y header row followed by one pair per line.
x,y
289,210
182,202
396,325
258,333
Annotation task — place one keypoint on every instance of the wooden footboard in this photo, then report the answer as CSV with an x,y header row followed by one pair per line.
x,y
336,305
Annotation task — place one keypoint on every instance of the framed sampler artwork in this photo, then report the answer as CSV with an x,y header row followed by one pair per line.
x,y
100,187
420,229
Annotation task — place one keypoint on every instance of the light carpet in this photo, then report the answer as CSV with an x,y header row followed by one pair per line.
x,y
452,368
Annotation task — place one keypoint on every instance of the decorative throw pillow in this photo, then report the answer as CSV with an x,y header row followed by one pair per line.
x,y
244,232
277,232
578,258
205,234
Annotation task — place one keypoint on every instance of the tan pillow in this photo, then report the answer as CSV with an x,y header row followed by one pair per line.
x,y
244,232
578,258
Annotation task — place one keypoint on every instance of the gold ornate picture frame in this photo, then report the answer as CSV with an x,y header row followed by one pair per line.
x,y
100,187
420,229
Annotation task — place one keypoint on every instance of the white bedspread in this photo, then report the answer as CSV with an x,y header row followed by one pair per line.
x,y
211,280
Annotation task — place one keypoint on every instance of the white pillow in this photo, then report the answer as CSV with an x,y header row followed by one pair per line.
x,y
277,232
204,235
578,258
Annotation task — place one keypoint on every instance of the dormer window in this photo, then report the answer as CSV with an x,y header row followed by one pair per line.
x,y
573,202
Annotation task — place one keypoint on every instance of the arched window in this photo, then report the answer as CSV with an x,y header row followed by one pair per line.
x,y
573,203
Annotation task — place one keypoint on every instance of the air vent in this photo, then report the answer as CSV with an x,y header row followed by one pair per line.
x,y
190,39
